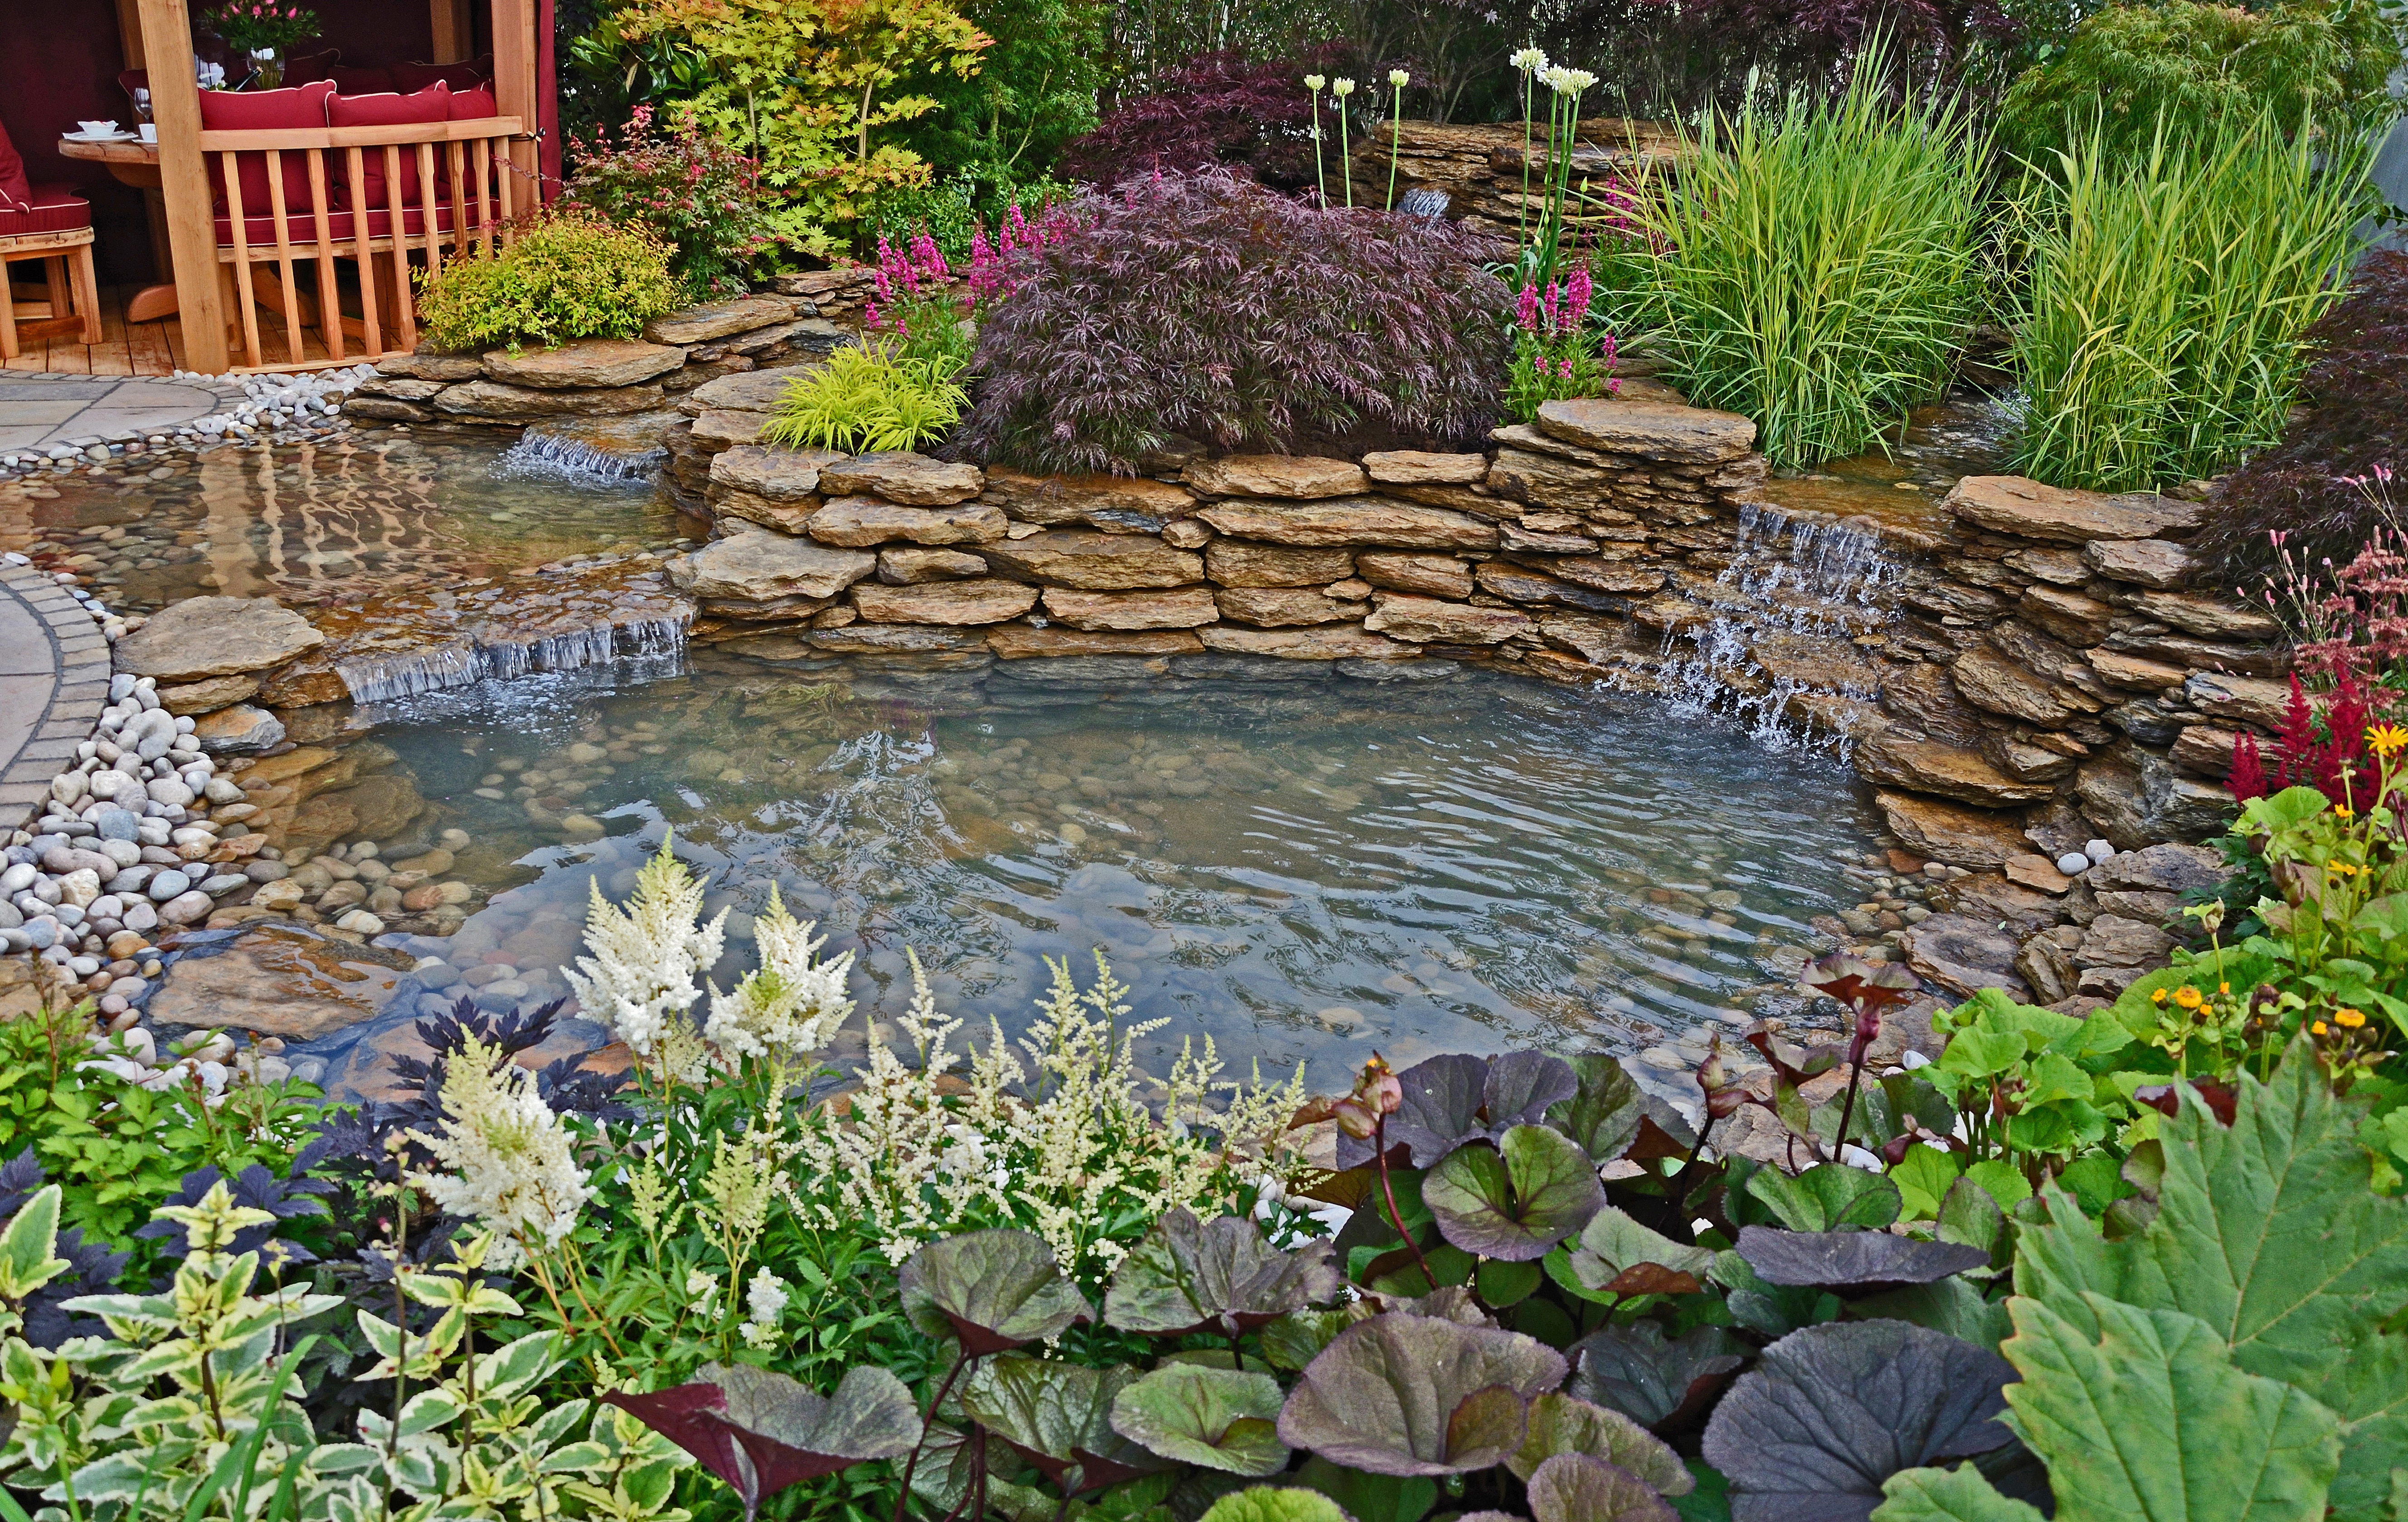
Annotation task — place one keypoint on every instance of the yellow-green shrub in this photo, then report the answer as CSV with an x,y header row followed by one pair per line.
x,y
870,398
566,277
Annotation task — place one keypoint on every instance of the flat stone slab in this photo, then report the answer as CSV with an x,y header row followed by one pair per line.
x,y
902,475
986,601
1026,641
215,637
591,363
1419,467
1952,833
753,391
865,521
1291,476
506,403
776,475
759,566
1126,503
1096,562
1355,521
2027,510
720,319
1658,430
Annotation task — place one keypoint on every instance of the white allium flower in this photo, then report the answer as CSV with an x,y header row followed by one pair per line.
x,y
1314,82
792,1003
1341,87
1530,60
510,1163
648,960
1568,81
766,1298
1400,77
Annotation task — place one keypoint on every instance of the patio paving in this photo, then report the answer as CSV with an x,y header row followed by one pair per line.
x,y
53,683
40,411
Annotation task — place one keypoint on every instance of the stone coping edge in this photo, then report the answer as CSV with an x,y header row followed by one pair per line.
x,y
79,665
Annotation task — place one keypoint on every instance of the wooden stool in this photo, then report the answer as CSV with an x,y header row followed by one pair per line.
x,y
66,259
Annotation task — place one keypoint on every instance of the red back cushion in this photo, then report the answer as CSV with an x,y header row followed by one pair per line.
x,y
16,190
432,104
419,76
308,68
470,105
360,82
256,110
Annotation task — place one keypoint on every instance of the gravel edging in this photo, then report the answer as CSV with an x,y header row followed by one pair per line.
x,y
250,408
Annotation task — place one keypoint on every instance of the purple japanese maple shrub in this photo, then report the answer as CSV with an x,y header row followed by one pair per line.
x,y
1210,306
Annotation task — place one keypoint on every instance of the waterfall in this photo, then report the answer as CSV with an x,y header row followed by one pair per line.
x,y
1807,585
471,658
565,456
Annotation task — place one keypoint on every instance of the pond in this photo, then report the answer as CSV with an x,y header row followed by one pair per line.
x,y
1301,865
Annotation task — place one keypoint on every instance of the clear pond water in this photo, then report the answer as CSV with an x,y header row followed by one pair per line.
x,y
1302,869
1300,865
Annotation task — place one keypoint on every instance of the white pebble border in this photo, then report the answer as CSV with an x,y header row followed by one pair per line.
x,y
271,406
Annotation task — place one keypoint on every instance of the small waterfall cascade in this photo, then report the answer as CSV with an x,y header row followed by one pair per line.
x,y
1777,644
569,457
657,641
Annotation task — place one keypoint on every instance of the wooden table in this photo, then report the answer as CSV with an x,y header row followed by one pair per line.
x,y
136,164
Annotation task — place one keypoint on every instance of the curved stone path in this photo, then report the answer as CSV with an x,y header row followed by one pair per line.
x,y
53,683
41,412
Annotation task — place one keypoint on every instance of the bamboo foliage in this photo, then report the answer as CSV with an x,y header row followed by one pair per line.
x,y
2158,338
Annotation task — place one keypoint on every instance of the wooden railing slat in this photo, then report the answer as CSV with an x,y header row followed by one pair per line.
x,y
278,210
373,333
241,259
330,295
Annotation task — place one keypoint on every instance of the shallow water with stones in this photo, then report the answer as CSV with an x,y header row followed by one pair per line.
x,y
1303,869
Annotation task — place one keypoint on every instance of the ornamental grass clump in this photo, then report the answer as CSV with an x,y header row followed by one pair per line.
x,y
1209,306
1819,272
2159,339
569,275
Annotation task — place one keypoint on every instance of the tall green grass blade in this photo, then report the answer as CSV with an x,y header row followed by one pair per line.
x,y
1819,266
2158,338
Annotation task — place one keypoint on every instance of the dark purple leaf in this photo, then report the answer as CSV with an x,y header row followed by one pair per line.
x,y
761,1431
1658,1383
1832,1411
1864,1261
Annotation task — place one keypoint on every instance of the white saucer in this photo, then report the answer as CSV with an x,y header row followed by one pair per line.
x,y
104,137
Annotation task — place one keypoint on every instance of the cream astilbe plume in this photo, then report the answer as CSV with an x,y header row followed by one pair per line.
x,y
510,1163
648,960
792,1003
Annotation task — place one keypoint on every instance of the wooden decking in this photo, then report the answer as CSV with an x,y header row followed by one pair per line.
x,y
140,348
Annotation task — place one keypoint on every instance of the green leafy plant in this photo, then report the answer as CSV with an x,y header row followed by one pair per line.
x,y
566,276
2157,338
1813,266
2233,1358
869,399
119,1137
2196,68
700,197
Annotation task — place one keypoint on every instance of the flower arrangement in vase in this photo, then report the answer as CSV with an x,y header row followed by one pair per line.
x,y
263,32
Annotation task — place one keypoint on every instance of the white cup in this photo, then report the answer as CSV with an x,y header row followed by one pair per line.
x,y
97,129
150,130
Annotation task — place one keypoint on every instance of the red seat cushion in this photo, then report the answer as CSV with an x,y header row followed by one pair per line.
x,y
16,191
254,110
473,104
360,82
432,104
342,226
50,208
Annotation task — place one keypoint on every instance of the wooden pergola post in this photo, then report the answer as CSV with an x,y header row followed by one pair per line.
x,y
184,180
514,84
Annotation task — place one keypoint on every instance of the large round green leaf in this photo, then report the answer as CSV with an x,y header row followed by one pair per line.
x,y
1217,1417
1516,1199
1218,1275
1268,1504
1058,1415
1575,1488
1412,1395
996,1290
1564,1424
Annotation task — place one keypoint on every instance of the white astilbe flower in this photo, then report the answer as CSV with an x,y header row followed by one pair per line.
x,y
510,1163
764,1299
791,1004
1530,60
648,960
